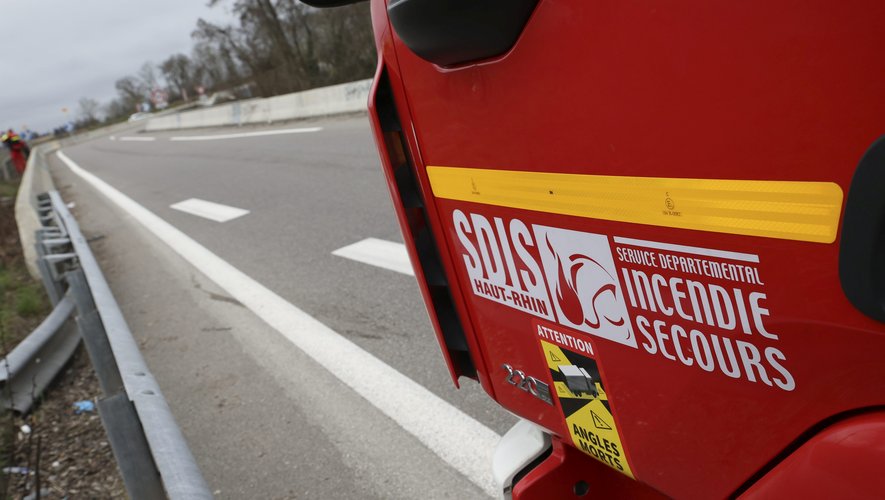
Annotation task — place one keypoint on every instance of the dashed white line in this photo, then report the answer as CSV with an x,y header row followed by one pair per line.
x,y
381,253
464,443
136,139
245,134
209,210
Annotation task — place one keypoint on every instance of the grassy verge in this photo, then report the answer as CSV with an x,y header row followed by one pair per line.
x,y
8,190
22,301
22,306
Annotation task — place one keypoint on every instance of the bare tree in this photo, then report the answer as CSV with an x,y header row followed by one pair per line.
x,y
285,46
89,110
275,47
148,75
345,45
217,45
179,72
117,109
132,91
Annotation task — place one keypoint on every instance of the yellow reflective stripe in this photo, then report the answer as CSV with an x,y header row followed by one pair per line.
x,y
792,210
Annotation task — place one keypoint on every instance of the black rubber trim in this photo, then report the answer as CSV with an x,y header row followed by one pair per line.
x,y
413,203
449,32
531,466
862,250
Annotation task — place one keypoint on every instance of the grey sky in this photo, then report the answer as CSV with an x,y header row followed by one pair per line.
x,y
57,51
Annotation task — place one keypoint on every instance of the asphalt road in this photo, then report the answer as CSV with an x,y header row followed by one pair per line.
x,y
307,194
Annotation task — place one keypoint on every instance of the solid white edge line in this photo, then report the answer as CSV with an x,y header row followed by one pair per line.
x,y
209,210
464,443
707,252
245,134
380,253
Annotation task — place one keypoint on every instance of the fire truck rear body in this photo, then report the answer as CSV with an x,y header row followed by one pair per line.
x,y
660,195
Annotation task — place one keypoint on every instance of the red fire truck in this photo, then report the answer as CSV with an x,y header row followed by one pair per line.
x,y
652,229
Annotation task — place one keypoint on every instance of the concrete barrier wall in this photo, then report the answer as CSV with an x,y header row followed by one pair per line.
x,y
344,98
35,180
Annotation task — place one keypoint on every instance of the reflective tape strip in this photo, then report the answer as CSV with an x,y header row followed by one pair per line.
x,y
792,210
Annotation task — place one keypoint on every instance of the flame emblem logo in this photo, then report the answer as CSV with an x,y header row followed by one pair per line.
x,y
569,285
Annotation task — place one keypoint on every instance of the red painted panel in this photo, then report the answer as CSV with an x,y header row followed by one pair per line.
x,y
567,473
703,396
843,461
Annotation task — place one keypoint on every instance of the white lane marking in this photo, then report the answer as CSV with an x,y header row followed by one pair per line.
x,y
464,443
209,210
387,254
136,139
708,252
245,134
113,138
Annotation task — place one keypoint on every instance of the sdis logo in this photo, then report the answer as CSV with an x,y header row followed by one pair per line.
x,y
557,274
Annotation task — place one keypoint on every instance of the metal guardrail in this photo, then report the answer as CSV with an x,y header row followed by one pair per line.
x,y
35,361
30,367
151,452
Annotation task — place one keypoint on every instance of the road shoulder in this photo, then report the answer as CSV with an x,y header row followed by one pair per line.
x,y
262,418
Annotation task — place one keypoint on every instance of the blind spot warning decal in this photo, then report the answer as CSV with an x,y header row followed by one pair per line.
x,y
582,398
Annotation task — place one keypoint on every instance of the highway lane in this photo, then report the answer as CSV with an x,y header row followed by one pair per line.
x,y
307,194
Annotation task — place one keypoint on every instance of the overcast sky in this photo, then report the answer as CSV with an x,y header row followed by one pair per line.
x,y
57,51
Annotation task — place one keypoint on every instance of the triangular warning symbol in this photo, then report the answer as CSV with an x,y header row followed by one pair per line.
x,y
598,422
554,357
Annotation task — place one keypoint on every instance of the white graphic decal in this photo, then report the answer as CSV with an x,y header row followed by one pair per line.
x,y
705,308
583,283
500,265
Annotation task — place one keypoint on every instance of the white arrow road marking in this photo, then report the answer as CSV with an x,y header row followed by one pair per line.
x,y
464,443
245,134
380,253
209,210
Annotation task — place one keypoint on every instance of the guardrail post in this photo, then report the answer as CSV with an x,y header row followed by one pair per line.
x,y
93,333
131,448
118,415
52,286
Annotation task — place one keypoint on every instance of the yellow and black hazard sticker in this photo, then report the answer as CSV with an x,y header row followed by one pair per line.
x,y
585,405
